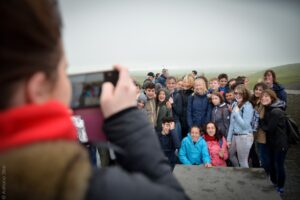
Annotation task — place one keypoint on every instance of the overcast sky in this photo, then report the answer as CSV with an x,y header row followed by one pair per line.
x,y
181,34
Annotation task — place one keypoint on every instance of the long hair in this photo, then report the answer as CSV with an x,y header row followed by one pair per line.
x,y
218,136
244,92
253,98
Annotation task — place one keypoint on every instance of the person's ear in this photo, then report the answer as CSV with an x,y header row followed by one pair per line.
x,y
37,88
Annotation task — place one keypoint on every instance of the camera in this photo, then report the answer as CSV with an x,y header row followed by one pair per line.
x,y
85,103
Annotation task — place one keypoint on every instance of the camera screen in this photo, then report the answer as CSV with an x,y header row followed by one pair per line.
x,y
86,89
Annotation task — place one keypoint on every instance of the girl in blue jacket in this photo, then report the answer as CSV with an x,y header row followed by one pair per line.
x,y
193,150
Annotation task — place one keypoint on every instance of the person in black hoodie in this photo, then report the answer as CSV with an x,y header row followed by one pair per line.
x,y
38,148
274,124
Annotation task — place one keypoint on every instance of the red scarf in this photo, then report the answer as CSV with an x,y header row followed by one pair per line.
x,y
209,138
35,123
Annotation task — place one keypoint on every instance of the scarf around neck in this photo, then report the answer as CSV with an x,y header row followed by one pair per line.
x,y
33,123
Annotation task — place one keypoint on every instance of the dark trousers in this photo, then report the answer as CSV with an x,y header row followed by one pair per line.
x,y
253,157
276,160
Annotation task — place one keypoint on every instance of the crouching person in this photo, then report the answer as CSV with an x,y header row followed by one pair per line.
x,y
193,150
38,148
169,140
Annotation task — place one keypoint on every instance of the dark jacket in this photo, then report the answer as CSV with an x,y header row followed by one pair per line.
x,y
199,110
162,80
143,171
180,109
169,143
174,105
274,124
220,115
162,111
280,92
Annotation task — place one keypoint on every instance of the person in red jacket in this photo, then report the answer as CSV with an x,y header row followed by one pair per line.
x,y
39,154
217,145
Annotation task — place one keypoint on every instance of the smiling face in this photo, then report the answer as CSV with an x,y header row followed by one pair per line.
x,y
211,129
257,92
195,133
229,97
214,85
161,96
171,85
268,79
238,96
223,82
266,99
150,93
199,86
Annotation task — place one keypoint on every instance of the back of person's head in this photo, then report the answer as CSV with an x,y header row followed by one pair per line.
x,y
30,43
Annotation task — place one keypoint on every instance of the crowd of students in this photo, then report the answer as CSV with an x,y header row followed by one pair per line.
x,y
218,122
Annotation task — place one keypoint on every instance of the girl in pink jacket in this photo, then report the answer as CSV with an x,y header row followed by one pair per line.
x,y
217,145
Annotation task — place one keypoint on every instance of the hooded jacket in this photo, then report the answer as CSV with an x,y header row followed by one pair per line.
x,y
193,154
221,117
162,110
280,92
199,110
274,124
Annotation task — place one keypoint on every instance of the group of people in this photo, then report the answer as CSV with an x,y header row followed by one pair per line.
x,y
219,122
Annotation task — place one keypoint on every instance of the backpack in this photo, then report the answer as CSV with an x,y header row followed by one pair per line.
x,y
292,131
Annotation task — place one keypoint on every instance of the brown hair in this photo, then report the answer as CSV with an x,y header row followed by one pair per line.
x,y
253,98
273,75
218,94
270,93
30,42
244,92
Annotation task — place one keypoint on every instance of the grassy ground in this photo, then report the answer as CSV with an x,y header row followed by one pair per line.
x,y
288,75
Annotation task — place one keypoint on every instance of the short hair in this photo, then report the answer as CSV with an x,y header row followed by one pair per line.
x,y
218,94
273,75
213,79
150,85
167,120
272,95
171,78
223,76
195,72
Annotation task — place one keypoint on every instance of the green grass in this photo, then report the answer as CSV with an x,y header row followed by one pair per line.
x,y
288,75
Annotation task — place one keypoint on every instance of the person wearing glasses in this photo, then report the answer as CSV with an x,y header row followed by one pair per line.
x,y
240,134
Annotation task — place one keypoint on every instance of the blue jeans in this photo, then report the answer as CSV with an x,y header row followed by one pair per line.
x,y
276,166
178,129
262,154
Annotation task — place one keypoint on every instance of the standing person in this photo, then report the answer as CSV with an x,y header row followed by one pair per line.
x,y
199,107
150,104
163,77
223,79
162,110
193,150
230,99
217,145
213,85
38,140
274,124
171,86
220,114
179,85
271,81
259,135
169,140
150,79
240,134
182,102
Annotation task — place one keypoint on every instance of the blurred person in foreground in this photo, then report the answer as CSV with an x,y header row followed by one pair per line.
x,y
38,147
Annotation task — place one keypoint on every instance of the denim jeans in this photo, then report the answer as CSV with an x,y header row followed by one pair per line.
x,y
262,154
276,166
